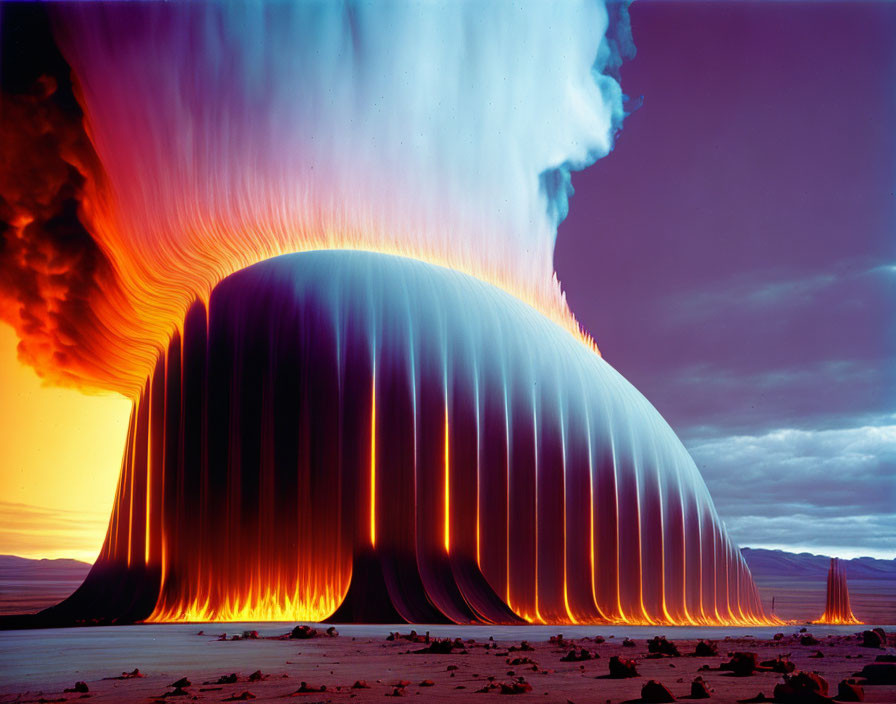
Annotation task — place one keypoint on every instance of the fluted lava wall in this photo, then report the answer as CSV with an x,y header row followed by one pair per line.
x,y
393,439
837,609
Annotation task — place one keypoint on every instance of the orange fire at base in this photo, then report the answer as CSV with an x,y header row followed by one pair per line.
x,y
371,438
837,609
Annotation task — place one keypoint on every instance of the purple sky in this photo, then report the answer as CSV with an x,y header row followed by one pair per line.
x,y
734,258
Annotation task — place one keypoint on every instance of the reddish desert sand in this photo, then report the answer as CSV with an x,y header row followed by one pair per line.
x,y
356,669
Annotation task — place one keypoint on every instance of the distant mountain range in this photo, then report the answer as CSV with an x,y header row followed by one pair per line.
x,y
808,565
797,582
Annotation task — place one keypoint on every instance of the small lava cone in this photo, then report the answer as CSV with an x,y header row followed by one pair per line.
x,y
700,689
850,691
706,649
660,646
622,668
741,664
656,693
802,687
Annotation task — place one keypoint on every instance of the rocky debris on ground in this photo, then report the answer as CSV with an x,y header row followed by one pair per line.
x,y
79,688
879,673
628,643
522,647
706,649
656,693
621,668
802,687
445,646
241,697
741,664
873,639
700,689
659,646
850,691
413,637
578,656
781,664
809,639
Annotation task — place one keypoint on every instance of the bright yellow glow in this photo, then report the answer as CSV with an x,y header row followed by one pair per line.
x,y
60,453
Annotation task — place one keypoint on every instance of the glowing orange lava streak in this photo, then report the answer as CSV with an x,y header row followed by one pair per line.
x,y
447,486
373,461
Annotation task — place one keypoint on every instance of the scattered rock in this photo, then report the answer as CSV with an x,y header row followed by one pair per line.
x,y
700,689
573,656
226,679
523,647
242,697
780,664
885,658
332,632
628,643
850,691
303,632
758,698
181,683
872,639
621,668
598,640
427,683
518,687
809,639
560,641
360,684
741,664
802,687
656,693
305,688
256,676
250,635
79,688
706,649
778,636
443,647
817,654
879,673
659,645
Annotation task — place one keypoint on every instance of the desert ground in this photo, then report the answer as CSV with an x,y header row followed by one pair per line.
x,y
364,664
